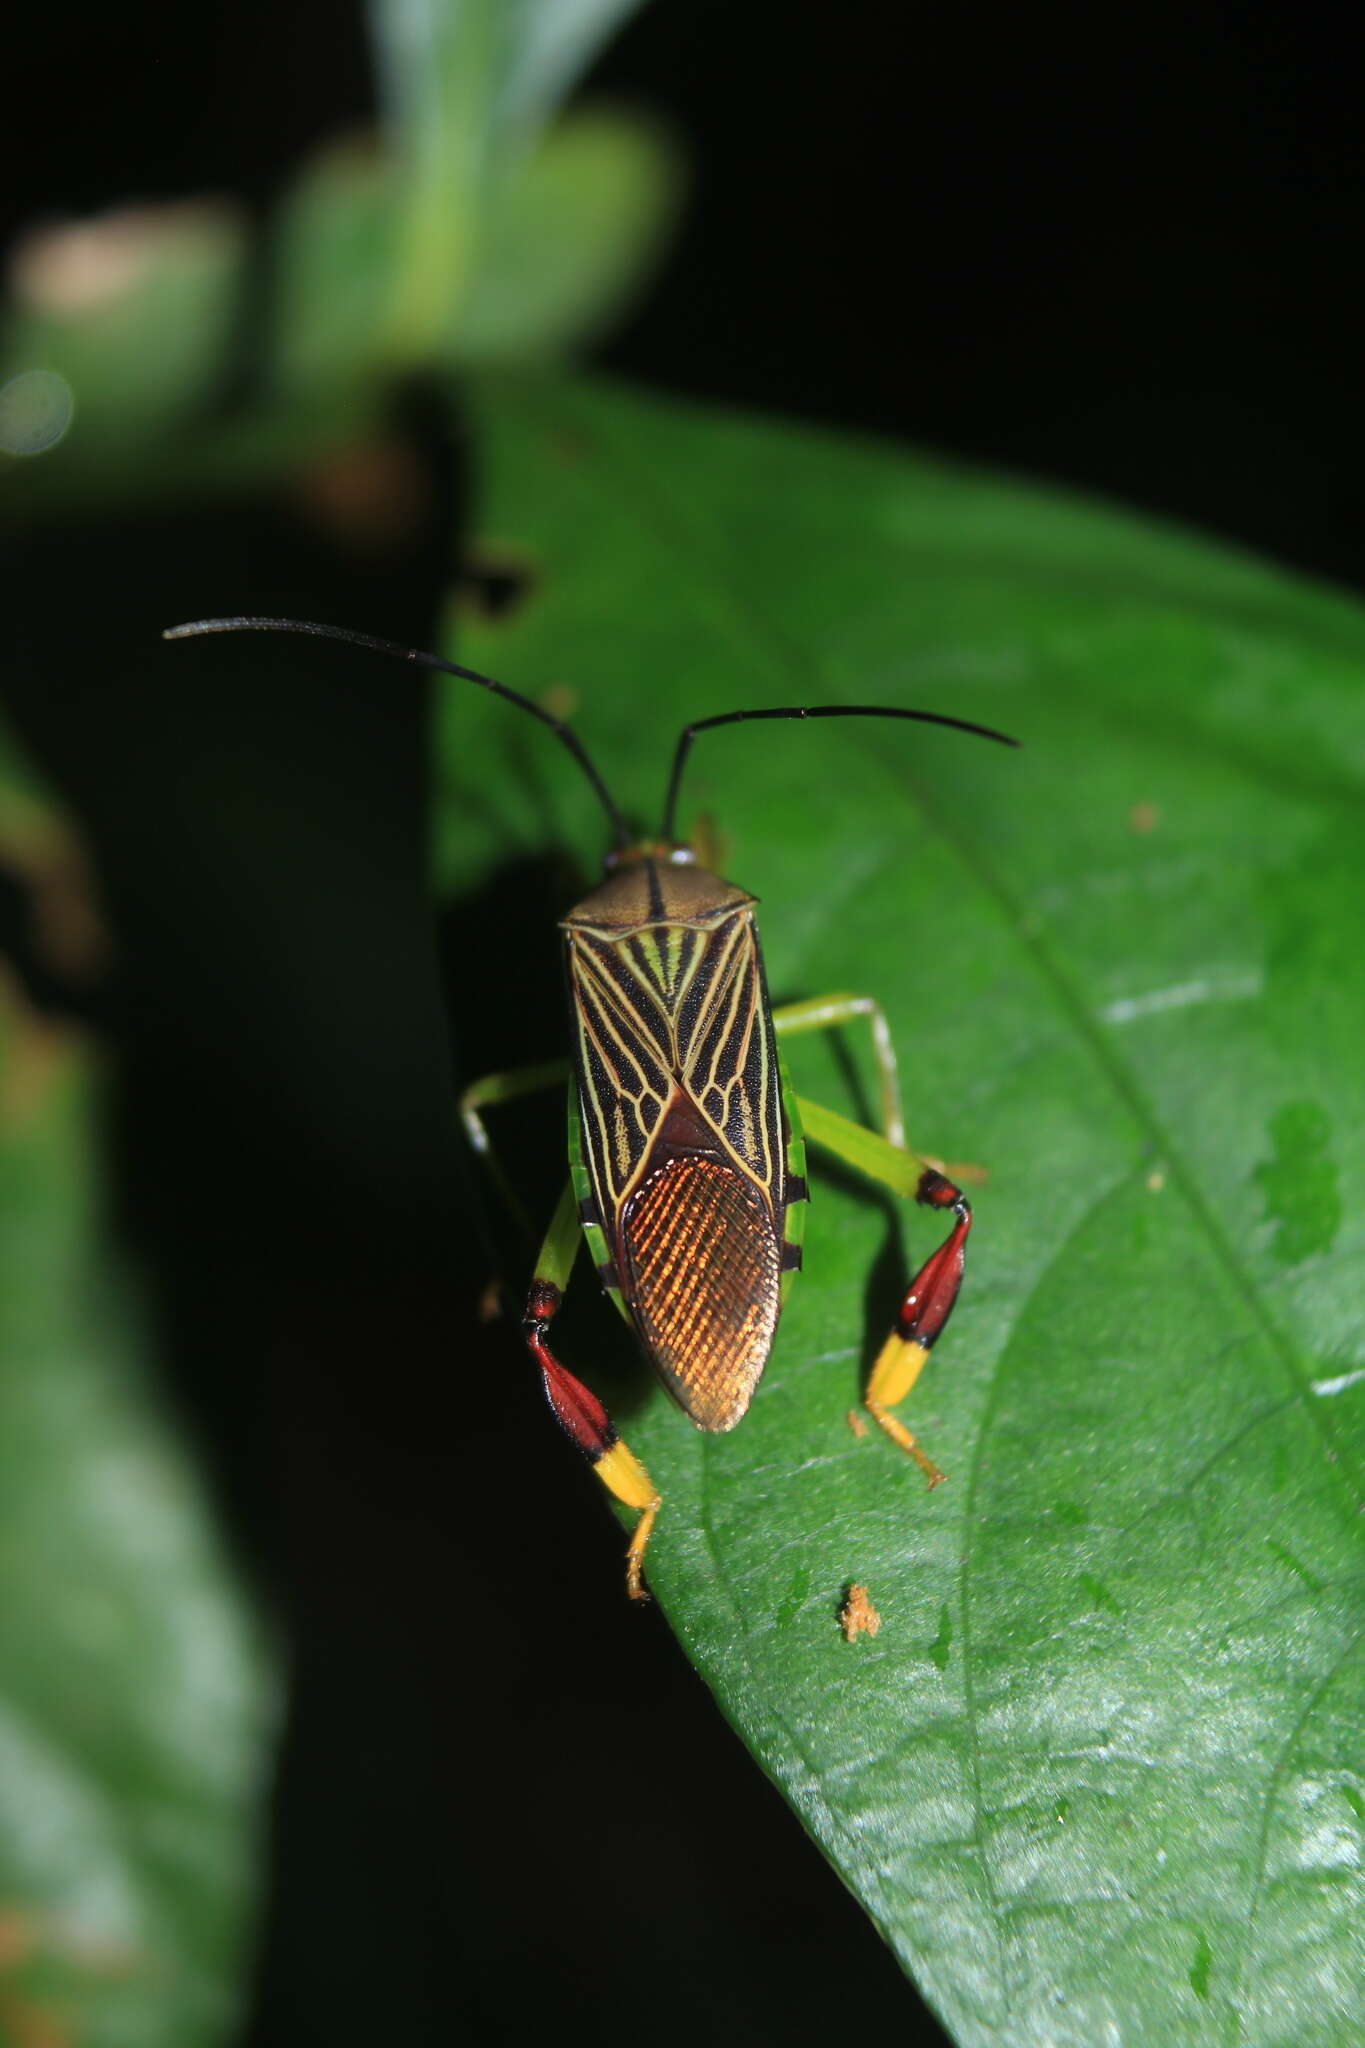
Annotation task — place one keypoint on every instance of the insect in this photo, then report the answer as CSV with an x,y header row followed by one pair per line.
x,y
687,1164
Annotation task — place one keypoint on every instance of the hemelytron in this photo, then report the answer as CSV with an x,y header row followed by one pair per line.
x,y
687,1163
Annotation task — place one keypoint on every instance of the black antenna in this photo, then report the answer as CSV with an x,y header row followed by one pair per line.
x,y
689,733
197,627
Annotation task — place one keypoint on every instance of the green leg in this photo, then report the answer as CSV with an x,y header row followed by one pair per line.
x,y
825,1013
579,1412
487,1094
931,1294
497,1088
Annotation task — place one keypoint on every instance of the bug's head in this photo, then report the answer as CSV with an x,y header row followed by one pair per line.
x,y
669,851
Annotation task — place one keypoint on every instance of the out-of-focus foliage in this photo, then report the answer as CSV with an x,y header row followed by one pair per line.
x,y
135,1700
475,226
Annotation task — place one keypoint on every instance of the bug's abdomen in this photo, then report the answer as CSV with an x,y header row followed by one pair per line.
x,y
703,1276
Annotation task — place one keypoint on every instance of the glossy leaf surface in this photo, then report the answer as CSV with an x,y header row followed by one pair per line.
x,y
1099,1777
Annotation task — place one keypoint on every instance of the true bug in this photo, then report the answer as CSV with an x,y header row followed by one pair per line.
x,y
687,1166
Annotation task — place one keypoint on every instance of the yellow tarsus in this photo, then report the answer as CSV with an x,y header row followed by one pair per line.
x,y
635,1556
899,1364
899,1434
621,1472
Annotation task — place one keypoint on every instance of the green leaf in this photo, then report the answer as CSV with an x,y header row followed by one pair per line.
x,y
135,1706
549,44
130,316
568,236
474,236
1100,1775
335,234
525,55
465,85
567,231
131,310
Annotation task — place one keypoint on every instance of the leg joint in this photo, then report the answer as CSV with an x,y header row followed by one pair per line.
x,y
936,1191
542,1305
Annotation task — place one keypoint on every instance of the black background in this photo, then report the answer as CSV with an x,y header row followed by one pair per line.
x,y
1119,256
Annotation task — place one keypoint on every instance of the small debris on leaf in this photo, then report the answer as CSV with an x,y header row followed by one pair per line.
x,y
857,1616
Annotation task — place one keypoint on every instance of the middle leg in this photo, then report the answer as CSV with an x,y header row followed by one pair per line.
x,y
826,1013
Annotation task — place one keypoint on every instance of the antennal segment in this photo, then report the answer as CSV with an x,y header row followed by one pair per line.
x,y
689,733
197,628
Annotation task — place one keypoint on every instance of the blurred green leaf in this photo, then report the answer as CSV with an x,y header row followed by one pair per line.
x,y
465,86
566,234
134,311
131,309
468,236
549,44
334,260
1101,1774
515,60
567,238
135,1707
437,64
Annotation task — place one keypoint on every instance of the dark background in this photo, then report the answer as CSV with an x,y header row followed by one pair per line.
x,y
1125,264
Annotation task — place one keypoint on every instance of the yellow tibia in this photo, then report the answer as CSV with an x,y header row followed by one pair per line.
x,y
899,1364
621,1472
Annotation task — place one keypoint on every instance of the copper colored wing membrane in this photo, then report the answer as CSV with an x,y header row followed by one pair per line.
x,y
704,1269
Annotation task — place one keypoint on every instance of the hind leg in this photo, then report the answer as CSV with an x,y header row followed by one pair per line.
x,y
577,1410
928,1301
